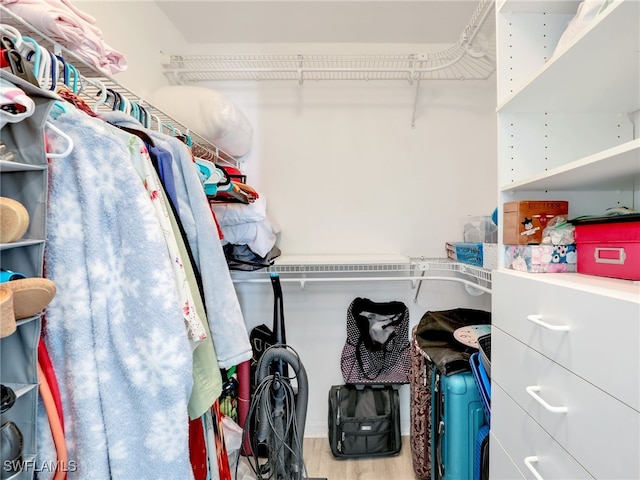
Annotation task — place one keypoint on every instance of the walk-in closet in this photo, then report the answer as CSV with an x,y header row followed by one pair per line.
x,y
300,240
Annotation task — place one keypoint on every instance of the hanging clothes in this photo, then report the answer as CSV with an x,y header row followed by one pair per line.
x,y
115,334
226,322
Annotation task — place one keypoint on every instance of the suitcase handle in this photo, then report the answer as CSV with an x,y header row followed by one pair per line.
x,y
618,259
529,461
439,450
533,389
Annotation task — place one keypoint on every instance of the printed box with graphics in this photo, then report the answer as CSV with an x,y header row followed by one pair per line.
x,y
525,221
541,258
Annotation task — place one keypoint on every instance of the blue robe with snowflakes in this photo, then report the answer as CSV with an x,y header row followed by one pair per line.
x,y
114,330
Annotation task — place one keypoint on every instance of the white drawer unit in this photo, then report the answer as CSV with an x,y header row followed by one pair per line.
x,y
501,465
582,418
589,330
565,347
530,447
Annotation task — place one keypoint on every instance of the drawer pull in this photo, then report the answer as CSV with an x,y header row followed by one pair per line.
x,y
533,389
529,461
537,319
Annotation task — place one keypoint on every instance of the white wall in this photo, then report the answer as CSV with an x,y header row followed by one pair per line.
x,y
140,31
343,172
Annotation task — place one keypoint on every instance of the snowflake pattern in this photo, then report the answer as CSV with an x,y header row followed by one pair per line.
x,y
113,330
158,356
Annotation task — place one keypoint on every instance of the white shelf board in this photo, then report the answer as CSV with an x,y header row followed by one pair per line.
x,y
616,168
574,82
538,6
626,290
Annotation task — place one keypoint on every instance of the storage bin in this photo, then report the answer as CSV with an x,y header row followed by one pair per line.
x,y
524,221
479,254
540,258
609,246
470,253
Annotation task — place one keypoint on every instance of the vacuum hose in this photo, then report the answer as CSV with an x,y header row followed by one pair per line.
x,y
283,354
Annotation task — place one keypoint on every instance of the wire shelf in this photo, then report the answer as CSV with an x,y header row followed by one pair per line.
x,y
413,269
92,81
473,56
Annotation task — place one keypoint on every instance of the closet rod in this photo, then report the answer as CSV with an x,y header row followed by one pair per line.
x,y
91,76
414,280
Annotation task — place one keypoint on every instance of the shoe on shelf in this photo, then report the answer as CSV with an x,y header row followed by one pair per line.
x,y
8,275
8,398
14,220
11,444
7,315
30,295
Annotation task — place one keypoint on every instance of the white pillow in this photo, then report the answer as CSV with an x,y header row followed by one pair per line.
x,y
209,114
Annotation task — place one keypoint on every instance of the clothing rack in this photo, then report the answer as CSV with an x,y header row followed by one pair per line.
x,y
104,93
472,57
309,269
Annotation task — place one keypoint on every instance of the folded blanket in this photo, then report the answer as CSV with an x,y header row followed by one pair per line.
x,y
260,237
239,213
72,28
434,334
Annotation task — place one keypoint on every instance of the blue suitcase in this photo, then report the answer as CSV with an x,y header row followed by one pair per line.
x,y
457,416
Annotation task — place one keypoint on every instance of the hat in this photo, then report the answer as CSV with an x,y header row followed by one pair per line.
x,y
30,295
7,316
14,220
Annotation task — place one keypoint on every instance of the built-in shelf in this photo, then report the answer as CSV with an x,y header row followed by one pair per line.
x,y
627,290
616,168
615,30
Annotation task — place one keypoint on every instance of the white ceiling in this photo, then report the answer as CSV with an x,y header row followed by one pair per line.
x,y
320,21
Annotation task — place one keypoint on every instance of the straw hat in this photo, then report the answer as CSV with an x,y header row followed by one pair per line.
x,y
14,220
7,316
30,295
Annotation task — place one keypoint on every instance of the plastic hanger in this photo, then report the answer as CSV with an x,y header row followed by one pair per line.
x,y
55,71
73,70
13,34
31,51
214,177
102,99
158,122
68,139
145,120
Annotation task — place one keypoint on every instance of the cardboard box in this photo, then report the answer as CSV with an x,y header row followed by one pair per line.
x,y
609,247
541,258
524,221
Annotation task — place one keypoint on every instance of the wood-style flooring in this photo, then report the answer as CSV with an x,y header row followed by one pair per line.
x,y
321,463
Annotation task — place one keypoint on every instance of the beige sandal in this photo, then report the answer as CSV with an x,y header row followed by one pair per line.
x,y
7,316
30,295
14,220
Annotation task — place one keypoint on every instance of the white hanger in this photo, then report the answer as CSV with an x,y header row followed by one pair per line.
x,y
68,139
15,35
103,94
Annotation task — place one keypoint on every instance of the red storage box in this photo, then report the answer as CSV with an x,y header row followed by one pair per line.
x,y
609,246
